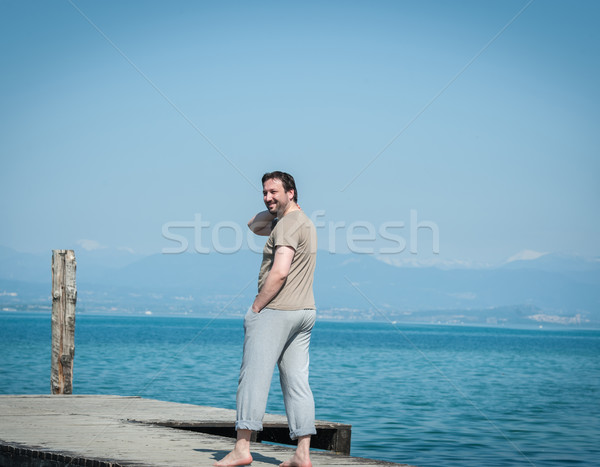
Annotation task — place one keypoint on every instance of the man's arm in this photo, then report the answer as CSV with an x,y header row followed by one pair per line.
x,y
261,223
276,278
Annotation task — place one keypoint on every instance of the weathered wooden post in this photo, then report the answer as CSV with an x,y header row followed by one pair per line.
x,y
64,297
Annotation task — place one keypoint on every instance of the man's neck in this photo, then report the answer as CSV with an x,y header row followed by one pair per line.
x,y
290,208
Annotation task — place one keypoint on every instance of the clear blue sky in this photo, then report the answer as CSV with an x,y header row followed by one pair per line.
x,y
101,148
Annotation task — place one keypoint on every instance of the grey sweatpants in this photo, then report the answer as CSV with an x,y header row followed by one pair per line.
x,y
282,337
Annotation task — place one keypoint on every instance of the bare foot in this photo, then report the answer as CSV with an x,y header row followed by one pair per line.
x,y
234,458
297,460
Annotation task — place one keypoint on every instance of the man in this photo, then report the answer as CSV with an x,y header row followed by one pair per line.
x,y
277,327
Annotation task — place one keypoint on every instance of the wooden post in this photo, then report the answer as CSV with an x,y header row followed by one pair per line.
x,y
64,297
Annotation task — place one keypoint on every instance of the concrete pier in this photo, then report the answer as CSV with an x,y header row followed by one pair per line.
x,y
102,431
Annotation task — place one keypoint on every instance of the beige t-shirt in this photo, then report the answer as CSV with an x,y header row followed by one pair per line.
x,y
295,230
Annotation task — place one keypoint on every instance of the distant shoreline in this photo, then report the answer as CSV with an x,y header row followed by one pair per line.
x,y
525,327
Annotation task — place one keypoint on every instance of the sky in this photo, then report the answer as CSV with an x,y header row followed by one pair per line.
x,y
459,132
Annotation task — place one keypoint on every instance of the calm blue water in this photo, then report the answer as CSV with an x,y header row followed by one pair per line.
x,y
424,395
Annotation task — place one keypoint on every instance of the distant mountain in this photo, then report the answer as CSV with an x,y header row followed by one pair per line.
x,y
555,287
556,262
25,267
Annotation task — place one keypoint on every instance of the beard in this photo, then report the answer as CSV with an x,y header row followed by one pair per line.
x,y
277,207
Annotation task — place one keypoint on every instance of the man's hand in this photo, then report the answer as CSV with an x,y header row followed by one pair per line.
x,y
261,223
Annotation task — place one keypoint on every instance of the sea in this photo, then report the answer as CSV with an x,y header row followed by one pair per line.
x,y
425,395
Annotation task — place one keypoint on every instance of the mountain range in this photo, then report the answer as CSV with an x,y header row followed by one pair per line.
x,y
550,289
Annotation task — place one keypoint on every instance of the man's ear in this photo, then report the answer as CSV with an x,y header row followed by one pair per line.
x,y
290,195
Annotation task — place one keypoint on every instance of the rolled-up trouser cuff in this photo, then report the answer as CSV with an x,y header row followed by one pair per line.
x,y
303,432
248,425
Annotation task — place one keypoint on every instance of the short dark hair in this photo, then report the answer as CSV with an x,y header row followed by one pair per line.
x,y
286,179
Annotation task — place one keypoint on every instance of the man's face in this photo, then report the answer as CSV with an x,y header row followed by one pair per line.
x,y
275,197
